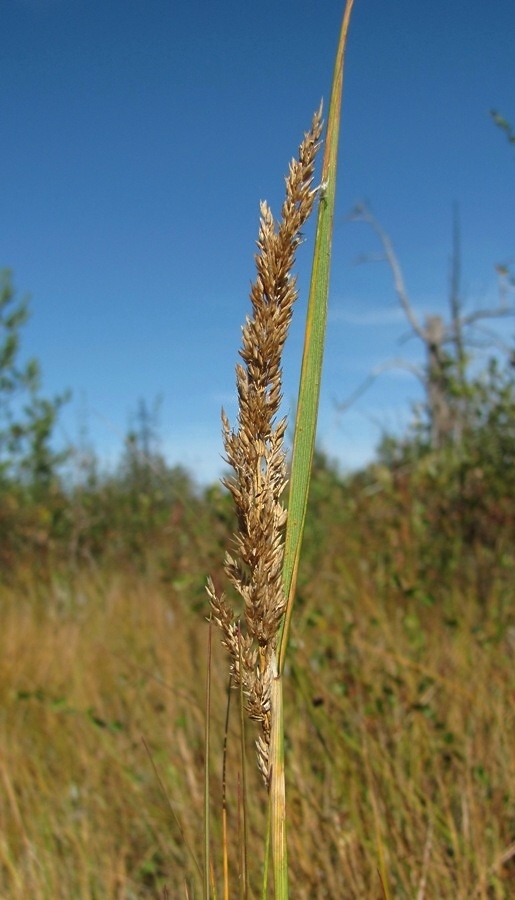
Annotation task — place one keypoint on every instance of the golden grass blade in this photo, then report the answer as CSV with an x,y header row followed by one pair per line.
x,y
382,868
309,388
171,808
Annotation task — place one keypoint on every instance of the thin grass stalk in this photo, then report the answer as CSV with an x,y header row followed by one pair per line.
x,y
213,880
207,745
266,866
225,843
242,861
277,798
175,817
244,841
382,869
314,343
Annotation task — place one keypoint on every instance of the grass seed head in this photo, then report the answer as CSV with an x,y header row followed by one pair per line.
x,y
255,448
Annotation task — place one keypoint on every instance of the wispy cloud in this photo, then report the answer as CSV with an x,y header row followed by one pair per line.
x,y
355,312
368,317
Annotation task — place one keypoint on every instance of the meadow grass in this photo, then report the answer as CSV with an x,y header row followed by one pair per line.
x,y
399,722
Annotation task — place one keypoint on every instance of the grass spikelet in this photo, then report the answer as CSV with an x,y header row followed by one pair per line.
x,y
255,450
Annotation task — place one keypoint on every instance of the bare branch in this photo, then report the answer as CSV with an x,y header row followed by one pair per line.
x,y
497,313
376,372
455,300
443,370
492,339
361,213
452,331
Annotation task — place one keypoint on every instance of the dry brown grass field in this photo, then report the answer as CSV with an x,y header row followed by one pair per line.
x,y
400,724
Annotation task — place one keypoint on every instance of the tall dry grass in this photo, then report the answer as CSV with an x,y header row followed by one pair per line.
x,y
264,566
400,731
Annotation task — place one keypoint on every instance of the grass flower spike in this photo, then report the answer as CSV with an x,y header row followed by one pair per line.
x,y
255,451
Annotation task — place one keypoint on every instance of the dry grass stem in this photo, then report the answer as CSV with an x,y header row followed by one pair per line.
x,y
255,450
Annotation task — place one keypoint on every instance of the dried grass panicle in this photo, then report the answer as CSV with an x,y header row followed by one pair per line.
x,y
255,449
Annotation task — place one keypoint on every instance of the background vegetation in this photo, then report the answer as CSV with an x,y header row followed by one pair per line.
x,y
400,713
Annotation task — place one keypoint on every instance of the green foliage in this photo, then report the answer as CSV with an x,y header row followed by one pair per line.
x,y
484,409
144,513
26,419
504,125
448,515
31,503
489,440
327,503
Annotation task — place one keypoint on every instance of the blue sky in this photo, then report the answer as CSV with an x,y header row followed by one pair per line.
x,y
138,137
